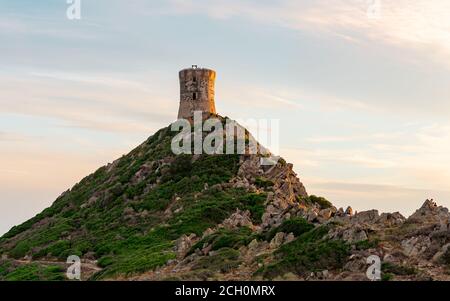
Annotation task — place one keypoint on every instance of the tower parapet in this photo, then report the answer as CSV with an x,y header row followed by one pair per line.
x,y
196,91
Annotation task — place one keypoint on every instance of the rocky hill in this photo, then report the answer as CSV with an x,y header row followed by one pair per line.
x,y
151,215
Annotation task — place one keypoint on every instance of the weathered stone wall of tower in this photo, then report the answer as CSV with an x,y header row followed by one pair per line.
x,y
196,92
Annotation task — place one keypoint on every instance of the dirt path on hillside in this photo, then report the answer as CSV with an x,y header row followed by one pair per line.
x,y
88,267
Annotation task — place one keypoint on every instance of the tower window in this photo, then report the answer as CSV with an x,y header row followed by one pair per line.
x,y
194,97
195,79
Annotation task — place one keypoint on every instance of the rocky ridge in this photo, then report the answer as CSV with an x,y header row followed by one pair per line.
x,y
414,248
151,215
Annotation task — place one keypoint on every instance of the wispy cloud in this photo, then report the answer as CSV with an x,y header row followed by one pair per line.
x,y
325,139
98,102
92,79
21,26
9,136
416,24
297,98
280,100
419,158
352,156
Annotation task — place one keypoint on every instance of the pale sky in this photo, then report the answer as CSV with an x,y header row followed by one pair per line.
x,y
362,91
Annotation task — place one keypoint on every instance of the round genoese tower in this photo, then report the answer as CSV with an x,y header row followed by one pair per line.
x,y
196,92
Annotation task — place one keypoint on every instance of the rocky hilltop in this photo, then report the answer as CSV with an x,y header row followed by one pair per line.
x,y
151,215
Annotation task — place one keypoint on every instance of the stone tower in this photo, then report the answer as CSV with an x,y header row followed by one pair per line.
x,y
196,91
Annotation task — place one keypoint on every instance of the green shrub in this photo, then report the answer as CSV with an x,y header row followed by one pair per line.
x,y
310,252
58,248
312,199
105,261
367,244
5,266
52,273
225,238
34,272
223,261
386,276
323,202
296,225
391,268
20,250
24,273
103,249
263,182
254,203
180,168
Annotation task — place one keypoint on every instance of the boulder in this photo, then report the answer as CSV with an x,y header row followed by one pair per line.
x,y
354,234
349,211
289,238
391,219
238,219
415,246
184,244
206,249
207,232
326,213
367,217
312,216
253,245
277,240
437,258
356,263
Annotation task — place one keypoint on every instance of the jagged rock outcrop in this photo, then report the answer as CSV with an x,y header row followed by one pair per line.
x,y
238,219
430,213
184,244
284,192
415,246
